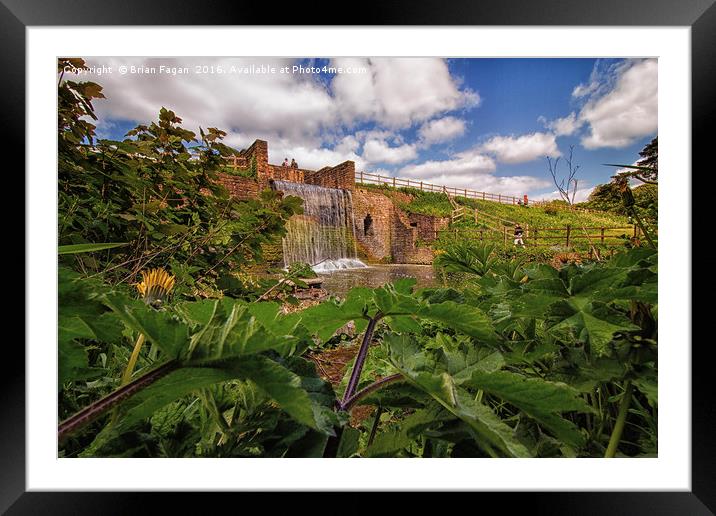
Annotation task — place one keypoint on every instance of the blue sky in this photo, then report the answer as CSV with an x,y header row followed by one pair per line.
x,y
486,124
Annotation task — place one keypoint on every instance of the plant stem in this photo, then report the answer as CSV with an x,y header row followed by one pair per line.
x,y
643,229
374,428
360,359
348,404
99,407
621,419
127,375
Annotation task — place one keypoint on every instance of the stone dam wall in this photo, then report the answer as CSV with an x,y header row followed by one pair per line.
x,y
384,232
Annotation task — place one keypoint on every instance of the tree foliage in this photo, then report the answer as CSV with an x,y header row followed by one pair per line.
x,y
157,192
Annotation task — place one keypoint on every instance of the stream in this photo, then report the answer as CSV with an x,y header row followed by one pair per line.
x,y
339,282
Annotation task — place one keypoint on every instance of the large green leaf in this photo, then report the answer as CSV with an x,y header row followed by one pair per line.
x,y
464,318
426,373
72,363
285,387
279,383
173,386
81,317
595,280
349,442
158,327
73,327
594,323
540,399
232,331
324,319
388,443
391,301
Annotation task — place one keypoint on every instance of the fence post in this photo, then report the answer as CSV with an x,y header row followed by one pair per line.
x,y
361,177
393,182
483,196
421,186
499,197
602,235
568,231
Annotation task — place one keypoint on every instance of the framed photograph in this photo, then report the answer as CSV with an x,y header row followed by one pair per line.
x,y
417,253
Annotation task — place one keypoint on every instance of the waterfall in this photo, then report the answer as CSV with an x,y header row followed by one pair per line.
x,y
324,235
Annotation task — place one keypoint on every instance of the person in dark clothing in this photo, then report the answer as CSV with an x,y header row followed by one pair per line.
x,y
293,163
518,235
285,162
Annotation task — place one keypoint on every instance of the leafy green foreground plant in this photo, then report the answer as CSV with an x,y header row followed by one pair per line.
x,y
557,363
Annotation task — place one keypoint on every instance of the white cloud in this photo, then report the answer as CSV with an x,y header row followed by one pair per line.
x,y
398,92
564,126
313,157
347,145
582,90
472,170
269,105
464,163
300,115
519,149
595,82
441,130
626,111
378,151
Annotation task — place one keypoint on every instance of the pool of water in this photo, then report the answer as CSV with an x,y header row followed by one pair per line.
x,y
339,282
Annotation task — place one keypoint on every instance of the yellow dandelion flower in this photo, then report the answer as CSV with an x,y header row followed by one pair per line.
x,y
155,285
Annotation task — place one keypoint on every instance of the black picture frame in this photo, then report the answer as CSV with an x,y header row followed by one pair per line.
x,y
700,15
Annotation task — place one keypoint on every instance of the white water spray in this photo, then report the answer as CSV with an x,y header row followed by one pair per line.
x,y
324,235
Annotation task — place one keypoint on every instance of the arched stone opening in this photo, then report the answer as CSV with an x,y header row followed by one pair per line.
x,y
368,225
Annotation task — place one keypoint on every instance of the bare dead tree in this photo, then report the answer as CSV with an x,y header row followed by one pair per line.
x,y
566,185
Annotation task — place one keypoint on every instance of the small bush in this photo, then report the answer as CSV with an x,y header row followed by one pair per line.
x,y
301,270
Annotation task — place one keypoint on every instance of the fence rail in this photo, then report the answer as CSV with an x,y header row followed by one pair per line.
x,y
396,182
547,237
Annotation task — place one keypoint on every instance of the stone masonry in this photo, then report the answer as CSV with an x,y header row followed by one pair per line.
x,y
384,232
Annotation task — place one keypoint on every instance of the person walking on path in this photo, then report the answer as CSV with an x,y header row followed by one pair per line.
x,y
518,235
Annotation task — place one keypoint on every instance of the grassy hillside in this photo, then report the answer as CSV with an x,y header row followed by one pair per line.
x,y
437,204
539,216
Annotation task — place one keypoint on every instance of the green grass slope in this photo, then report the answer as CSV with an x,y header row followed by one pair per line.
x,y
437,204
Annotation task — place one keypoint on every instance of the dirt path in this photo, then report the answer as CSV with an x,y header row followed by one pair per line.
x,y
331,364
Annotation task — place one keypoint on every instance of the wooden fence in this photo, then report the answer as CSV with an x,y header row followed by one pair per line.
x,y
547,237
396,182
